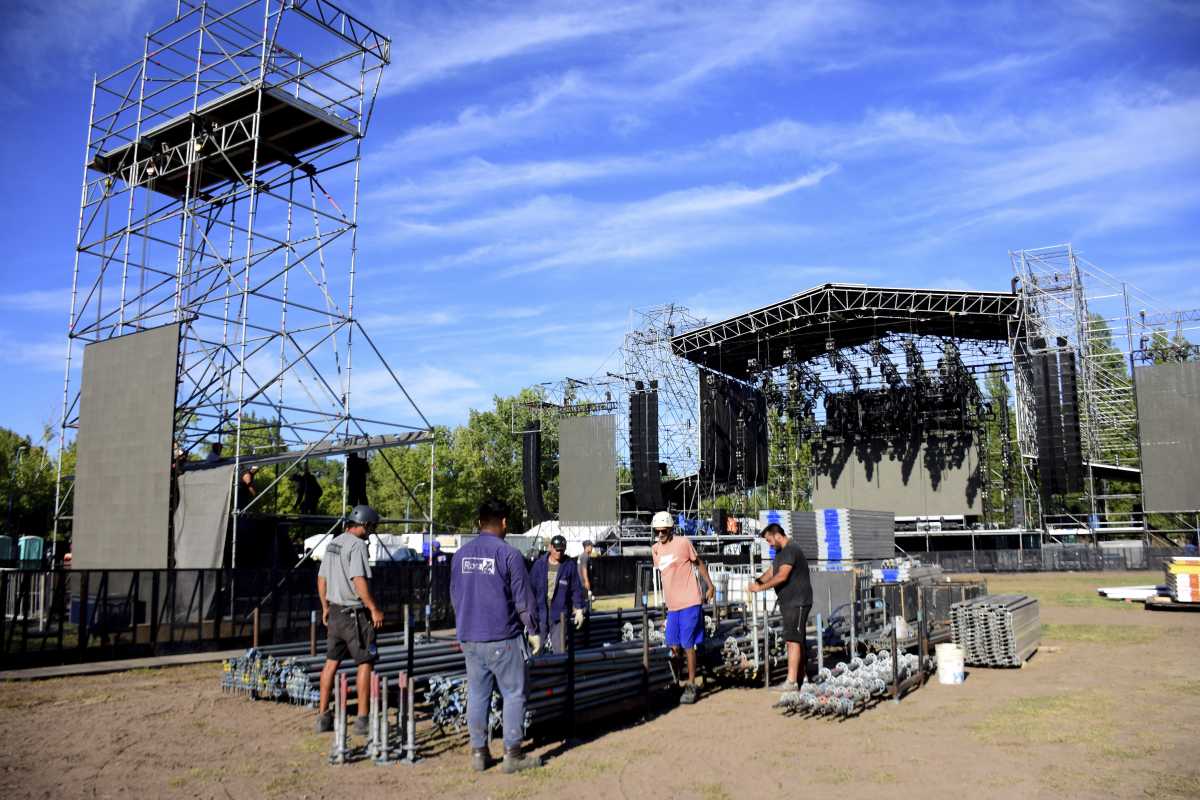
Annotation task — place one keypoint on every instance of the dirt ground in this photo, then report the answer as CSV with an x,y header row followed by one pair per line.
x,y
1108,708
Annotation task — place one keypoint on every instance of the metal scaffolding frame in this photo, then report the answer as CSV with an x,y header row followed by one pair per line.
x,y
1074,306
220,193
648,357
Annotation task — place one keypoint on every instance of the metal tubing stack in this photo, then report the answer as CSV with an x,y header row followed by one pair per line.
x,y
997,630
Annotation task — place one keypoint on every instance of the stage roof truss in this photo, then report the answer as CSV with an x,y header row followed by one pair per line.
x,y
833,316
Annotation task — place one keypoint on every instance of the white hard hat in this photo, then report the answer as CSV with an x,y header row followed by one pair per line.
x,y
662,519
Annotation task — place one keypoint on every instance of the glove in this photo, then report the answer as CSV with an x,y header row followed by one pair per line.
x,y
578,618
591,597
535,643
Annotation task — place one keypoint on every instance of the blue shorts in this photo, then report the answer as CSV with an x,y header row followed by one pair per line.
x,y
685,627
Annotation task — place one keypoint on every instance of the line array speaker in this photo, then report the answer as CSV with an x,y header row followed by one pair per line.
x,y
643,450
531,473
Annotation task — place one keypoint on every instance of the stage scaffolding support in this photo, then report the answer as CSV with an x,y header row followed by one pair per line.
x,y
648,358
221,194
1075,306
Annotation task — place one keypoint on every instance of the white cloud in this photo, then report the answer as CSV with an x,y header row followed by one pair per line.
x,y
38,300
59,42
434,49
475,128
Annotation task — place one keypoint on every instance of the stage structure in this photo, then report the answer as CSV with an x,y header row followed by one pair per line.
x,y
220,197
1096,326
881,385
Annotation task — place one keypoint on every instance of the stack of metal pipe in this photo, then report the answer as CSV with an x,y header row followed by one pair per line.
x,y
603,676
296,679
849,686
997,630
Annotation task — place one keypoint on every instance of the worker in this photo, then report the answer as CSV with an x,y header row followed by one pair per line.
x,y
357,470
789,577
558,591
585,568
493,606
349,612
214,453
676,559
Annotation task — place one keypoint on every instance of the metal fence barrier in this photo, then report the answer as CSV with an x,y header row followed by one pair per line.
x,y
75,615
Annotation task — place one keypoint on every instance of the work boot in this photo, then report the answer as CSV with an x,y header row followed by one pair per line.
x,y
690,694
515,760
325,722
786,686
481,758
362,726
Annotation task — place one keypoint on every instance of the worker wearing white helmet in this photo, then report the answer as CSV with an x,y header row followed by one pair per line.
x,y
687,586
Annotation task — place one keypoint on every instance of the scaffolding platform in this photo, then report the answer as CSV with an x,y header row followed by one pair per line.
x,y
222,131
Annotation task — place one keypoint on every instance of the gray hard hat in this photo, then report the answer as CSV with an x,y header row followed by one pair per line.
x,y
363,515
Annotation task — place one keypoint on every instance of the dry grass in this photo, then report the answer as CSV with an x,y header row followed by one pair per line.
x,y
1102,634
1072,717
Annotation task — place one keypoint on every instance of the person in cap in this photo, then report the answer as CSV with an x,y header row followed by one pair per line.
x,y
558,590
790,579
676,559
493,606
349,612
585,568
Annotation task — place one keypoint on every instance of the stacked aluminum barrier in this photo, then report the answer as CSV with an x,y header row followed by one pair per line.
x,y
848,687
997,630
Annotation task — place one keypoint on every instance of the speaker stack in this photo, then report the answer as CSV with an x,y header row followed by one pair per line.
x,y
531,473
643,447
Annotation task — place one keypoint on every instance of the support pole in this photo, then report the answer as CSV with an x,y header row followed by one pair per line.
x,y
820,643
312,633
254,617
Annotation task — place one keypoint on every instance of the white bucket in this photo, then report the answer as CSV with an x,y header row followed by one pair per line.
x,y
950,663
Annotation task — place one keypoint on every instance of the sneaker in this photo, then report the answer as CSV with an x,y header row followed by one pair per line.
x,y
362,726
325,722
515,760
690,695
786,686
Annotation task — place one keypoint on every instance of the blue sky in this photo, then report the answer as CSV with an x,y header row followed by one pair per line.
x,y
536,170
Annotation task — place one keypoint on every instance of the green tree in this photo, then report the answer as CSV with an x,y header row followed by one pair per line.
x,y
28,476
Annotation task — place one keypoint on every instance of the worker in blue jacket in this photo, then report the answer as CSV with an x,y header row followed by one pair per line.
x,y
558,590
493,608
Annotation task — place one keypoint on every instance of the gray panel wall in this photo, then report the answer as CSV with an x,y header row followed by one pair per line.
x,y
123,467
587,470
883,486
1168,400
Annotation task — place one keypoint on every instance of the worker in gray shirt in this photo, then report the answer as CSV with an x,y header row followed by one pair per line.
x,y
349,613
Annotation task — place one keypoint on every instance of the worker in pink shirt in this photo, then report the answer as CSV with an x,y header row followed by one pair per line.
x,y
676,559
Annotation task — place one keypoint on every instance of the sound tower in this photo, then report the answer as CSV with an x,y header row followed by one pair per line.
x,y
1054,411
1072,445
531,473
720,520
733,432
1038,383
643,447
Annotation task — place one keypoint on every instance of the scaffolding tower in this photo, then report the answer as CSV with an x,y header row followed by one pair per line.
x,y
1105,323
220,194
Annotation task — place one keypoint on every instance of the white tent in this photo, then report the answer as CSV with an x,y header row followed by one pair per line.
x,y
575,535
380,547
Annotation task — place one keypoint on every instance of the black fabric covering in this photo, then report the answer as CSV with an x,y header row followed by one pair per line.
x,y
733,425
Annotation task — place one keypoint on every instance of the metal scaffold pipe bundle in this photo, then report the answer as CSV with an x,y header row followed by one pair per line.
x,y
296,679
997,630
